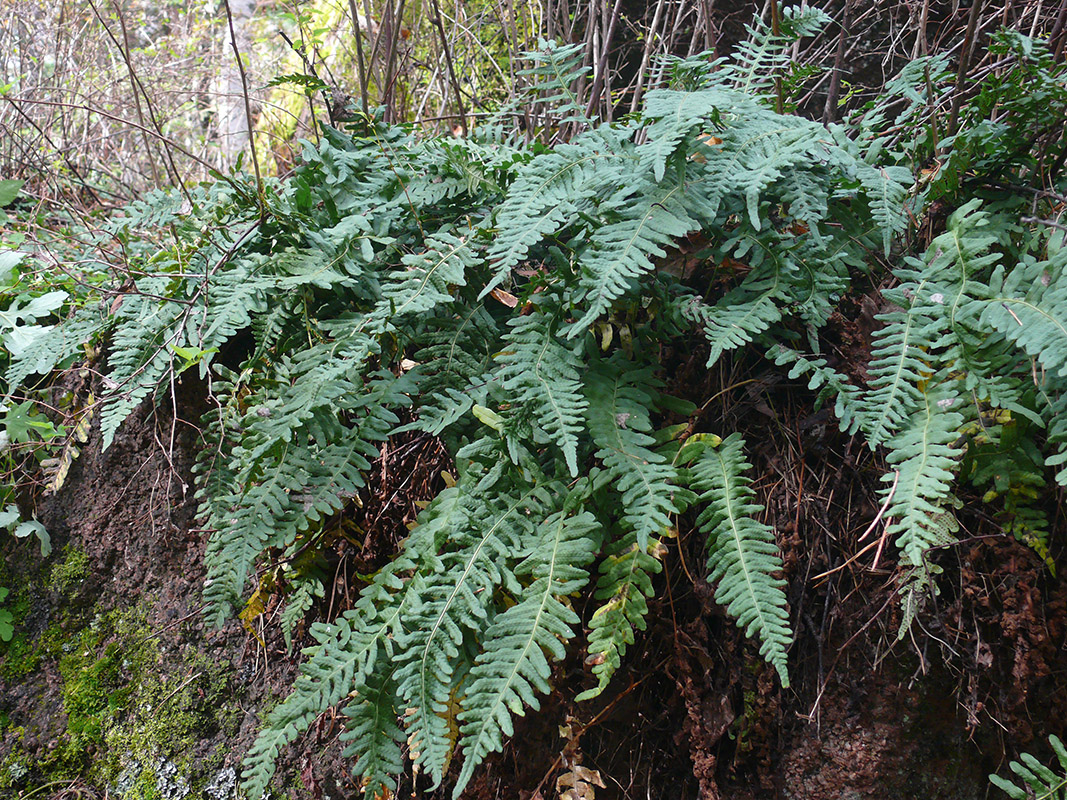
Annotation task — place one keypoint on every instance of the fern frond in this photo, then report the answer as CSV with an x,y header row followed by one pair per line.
x,y
646,219
742,554
541,374
451,602
427,278
740,316
288,481
625,582
140,359
1057,437
847,405
925,463
899,362
373,735
762,54
56,347
349,649
546,195
675,118
618,415
556,69
1043,783
513,666
1033,316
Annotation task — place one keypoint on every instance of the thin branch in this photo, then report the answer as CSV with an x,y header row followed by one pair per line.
x,y
248,112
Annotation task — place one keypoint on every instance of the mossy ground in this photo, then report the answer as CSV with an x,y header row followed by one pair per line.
x,y
135,713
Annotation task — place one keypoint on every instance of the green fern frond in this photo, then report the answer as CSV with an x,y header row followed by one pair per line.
x,y
618,415
625,582
899,362
1033,316
452,602
289,481
675,119
646,219
348,649
542,375
847,404
742,554
886,189
306,583
513,666
739,317
1042,782
373,735
555,72
546,195
925,462
58,346
763,54
426,279
140,357
1057,437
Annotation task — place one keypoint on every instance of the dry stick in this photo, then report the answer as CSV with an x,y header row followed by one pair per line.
x,y
248,113
1056,38
879,543
124,49
829,111
650,41
965,64
70,164
136,85
598,78
776,30
118,119
397,23
451,71
359,57
711,38
701,23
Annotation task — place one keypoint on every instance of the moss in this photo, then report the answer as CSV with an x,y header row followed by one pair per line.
x,y
68,574
14,769
135,715
23,655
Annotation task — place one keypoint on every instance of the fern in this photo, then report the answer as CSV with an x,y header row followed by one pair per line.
x,y
925,463
555,72
541,374
524,636
349,649
56,348
742,555
517,301
625,582
649,218
427,278
451,603
618,409
546,194
898,360
374,737
1042,782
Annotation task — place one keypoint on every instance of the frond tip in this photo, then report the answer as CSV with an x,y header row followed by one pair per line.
x,y
742,554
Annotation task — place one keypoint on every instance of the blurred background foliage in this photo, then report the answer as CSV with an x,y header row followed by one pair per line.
x,y
102,100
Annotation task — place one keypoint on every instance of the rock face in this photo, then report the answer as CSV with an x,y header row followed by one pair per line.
x,y
114,687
